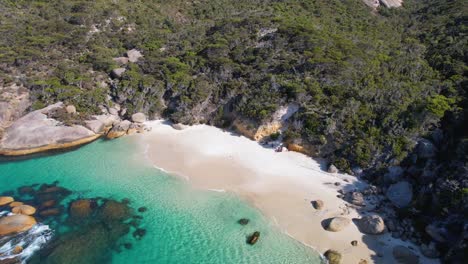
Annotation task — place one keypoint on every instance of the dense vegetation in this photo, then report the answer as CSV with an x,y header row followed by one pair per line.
x,y
369,84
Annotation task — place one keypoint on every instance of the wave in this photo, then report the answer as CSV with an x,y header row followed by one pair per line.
x,y
30,241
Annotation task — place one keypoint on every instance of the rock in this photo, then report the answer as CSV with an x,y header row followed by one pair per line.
x,y
394,174
24,210
117,73
127,245
333,256
400,194
391,3
15,204
134,55
50,212
404,255
121,60
113,211
354,243
26,190
371,224
37,132
318,204
426,149
337,183
4,200
179,126
332,169
243,221
113,111
95,125
81,208
14,101
139,233
362,261
119,129
142,209
71,109
17,250
355,198
108,120
439,234
337,224
15,224
430,250
138,118
254,238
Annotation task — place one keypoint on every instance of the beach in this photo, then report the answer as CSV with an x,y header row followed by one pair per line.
x,y
281,185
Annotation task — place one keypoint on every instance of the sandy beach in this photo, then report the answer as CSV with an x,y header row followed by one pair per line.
x,y
281,185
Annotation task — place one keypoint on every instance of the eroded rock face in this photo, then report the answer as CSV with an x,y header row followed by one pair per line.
x,y
15,223
37,132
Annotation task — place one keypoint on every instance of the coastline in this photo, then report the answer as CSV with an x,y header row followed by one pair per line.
x,y
281,185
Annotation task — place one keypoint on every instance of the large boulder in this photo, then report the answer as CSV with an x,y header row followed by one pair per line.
x,y
400,194
108,120
371,224
138,118
71,109
134,55
394,174
15,224
337,224
119,129
96,126
4,200
332,169
355,198
426,149
37,132
117,73
24,210
404,255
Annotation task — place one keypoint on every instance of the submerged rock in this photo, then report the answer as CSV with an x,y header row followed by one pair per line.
x,y
254,238
113,211
81,208
243,221
15,223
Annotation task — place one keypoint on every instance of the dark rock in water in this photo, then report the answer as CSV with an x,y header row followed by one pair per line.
x,y
50,212
142,209
128,245
114,211
243,221
26,190
126,201
254,238
138,217
82,208
333,256
139,233
48,203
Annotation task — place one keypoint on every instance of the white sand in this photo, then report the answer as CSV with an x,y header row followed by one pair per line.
x,y
281,185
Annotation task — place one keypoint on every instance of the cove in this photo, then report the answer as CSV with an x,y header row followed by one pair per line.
x,y
182,225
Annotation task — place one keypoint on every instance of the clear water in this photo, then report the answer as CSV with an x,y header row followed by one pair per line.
x,y
183,225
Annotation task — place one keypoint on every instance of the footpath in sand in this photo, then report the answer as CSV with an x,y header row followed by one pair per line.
x,y
281,185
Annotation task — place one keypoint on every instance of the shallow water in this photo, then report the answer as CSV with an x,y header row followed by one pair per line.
x,y
182,225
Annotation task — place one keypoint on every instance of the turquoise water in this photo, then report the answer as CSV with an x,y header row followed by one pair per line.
x,y
183,225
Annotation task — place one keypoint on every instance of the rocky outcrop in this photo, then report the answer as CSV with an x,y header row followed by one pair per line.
x,y
259,132
134,55
355,198
391,3
36,132
4,200
119,129
117,72
15,223
139,118
14,100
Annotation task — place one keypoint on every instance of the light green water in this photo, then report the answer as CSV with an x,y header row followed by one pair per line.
x,y
183,225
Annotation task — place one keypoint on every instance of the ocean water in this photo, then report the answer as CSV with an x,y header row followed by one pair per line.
x,y
183,225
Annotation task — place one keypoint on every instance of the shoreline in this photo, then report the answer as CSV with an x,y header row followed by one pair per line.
x,y
280,185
